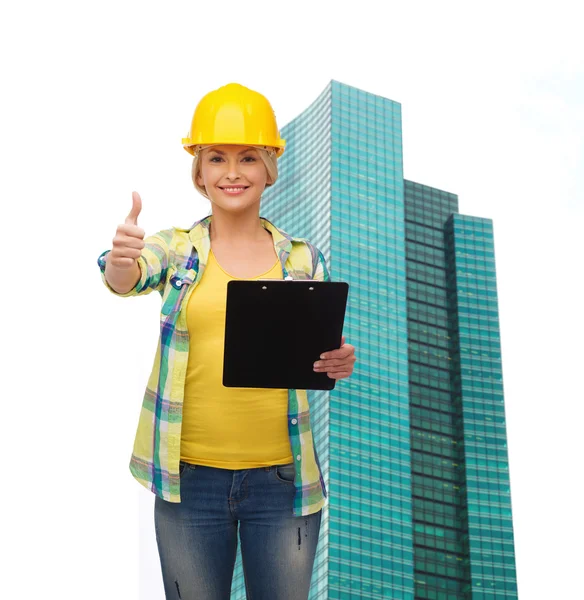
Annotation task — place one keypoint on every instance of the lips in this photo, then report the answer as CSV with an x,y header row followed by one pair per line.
x,y
234,190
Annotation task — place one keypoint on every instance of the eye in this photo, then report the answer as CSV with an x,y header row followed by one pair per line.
x,y
215,159
249,158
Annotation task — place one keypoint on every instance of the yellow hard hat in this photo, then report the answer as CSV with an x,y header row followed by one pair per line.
x,y
234,114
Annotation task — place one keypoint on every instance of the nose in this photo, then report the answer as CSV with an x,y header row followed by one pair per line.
x,y
232,169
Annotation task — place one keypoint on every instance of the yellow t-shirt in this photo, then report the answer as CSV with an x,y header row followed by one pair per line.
x,y
228,428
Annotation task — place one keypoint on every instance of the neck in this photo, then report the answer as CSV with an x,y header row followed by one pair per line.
x,y
235,229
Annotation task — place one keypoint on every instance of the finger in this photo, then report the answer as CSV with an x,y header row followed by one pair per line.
x,y
130,230
128,241
132,218
126,252
123,262
341,353
343,341
340,375
325,365
338,368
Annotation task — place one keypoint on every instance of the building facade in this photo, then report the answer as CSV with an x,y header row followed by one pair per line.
x,y
413,445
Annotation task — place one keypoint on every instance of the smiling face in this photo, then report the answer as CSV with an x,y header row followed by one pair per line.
x,y
233,176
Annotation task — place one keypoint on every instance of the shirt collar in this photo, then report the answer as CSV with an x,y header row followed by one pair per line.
x,y
199,234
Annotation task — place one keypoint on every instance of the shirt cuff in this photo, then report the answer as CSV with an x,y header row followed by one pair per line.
x,y
101,261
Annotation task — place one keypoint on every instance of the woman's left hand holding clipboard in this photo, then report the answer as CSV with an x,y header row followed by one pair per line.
x,y
337,364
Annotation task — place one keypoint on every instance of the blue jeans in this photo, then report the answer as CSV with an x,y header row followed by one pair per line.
x,y
197,538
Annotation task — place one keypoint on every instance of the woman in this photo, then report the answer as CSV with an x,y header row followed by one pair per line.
x,y
219,457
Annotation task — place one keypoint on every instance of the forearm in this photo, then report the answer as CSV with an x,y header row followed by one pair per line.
x,y
121,280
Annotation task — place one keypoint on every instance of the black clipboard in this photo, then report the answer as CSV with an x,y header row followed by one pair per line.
x,y
275,330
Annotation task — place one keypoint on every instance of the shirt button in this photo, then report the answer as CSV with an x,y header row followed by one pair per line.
x,y
294,421
298,457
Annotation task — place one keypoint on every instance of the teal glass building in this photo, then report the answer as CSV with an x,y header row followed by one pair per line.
x,y
413,445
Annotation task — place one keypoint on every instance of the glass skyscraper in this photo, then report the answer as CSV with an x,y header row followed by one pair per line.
x,y
413,444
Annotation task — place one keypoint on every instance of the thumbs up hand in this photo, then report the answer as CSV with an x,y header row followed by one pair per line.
x,y
129,239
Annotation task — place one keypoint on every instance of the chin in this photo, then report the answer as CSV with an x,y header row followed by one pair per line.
x,y
235,204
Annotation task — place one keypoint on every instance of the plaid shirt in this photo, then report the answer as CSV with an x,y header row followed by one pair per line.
x,y
172,263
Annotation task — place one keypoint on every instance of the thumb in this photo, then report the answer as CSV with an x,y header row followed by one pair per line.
x,y
132,218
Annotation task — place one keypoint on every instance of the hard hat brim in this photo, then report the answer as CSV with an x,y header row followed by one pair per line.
x,y
190,147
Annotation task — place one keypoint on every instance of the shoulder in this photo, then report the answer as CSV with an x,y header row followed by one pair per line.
x,y
171,245
167,234
174,237
306,248
303,245
299,244
304,255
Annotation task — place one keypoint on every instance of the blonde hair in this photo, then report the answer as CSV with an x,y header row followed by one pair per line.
x,y
268,155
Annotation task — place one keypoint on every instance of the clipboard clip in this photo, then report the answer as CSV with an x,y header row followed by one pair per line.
x,y
289,278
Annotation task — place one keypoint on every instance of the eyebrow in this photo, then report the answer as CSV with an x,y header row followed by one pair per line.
x,y
223,153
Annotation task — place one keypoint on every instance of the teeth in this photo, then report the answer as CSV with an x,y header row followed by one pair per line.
x,y
233,189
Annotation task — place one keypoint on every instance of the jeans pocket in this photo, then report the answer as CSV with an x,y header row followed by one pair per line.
x,y
285,473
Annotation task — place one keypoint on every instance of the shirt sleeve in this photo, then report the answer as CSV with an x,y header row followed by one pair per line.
x,y
153,263
321,272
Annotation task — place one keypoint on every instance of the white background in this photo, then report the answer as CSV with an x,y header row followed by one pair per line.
x,y
95,99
